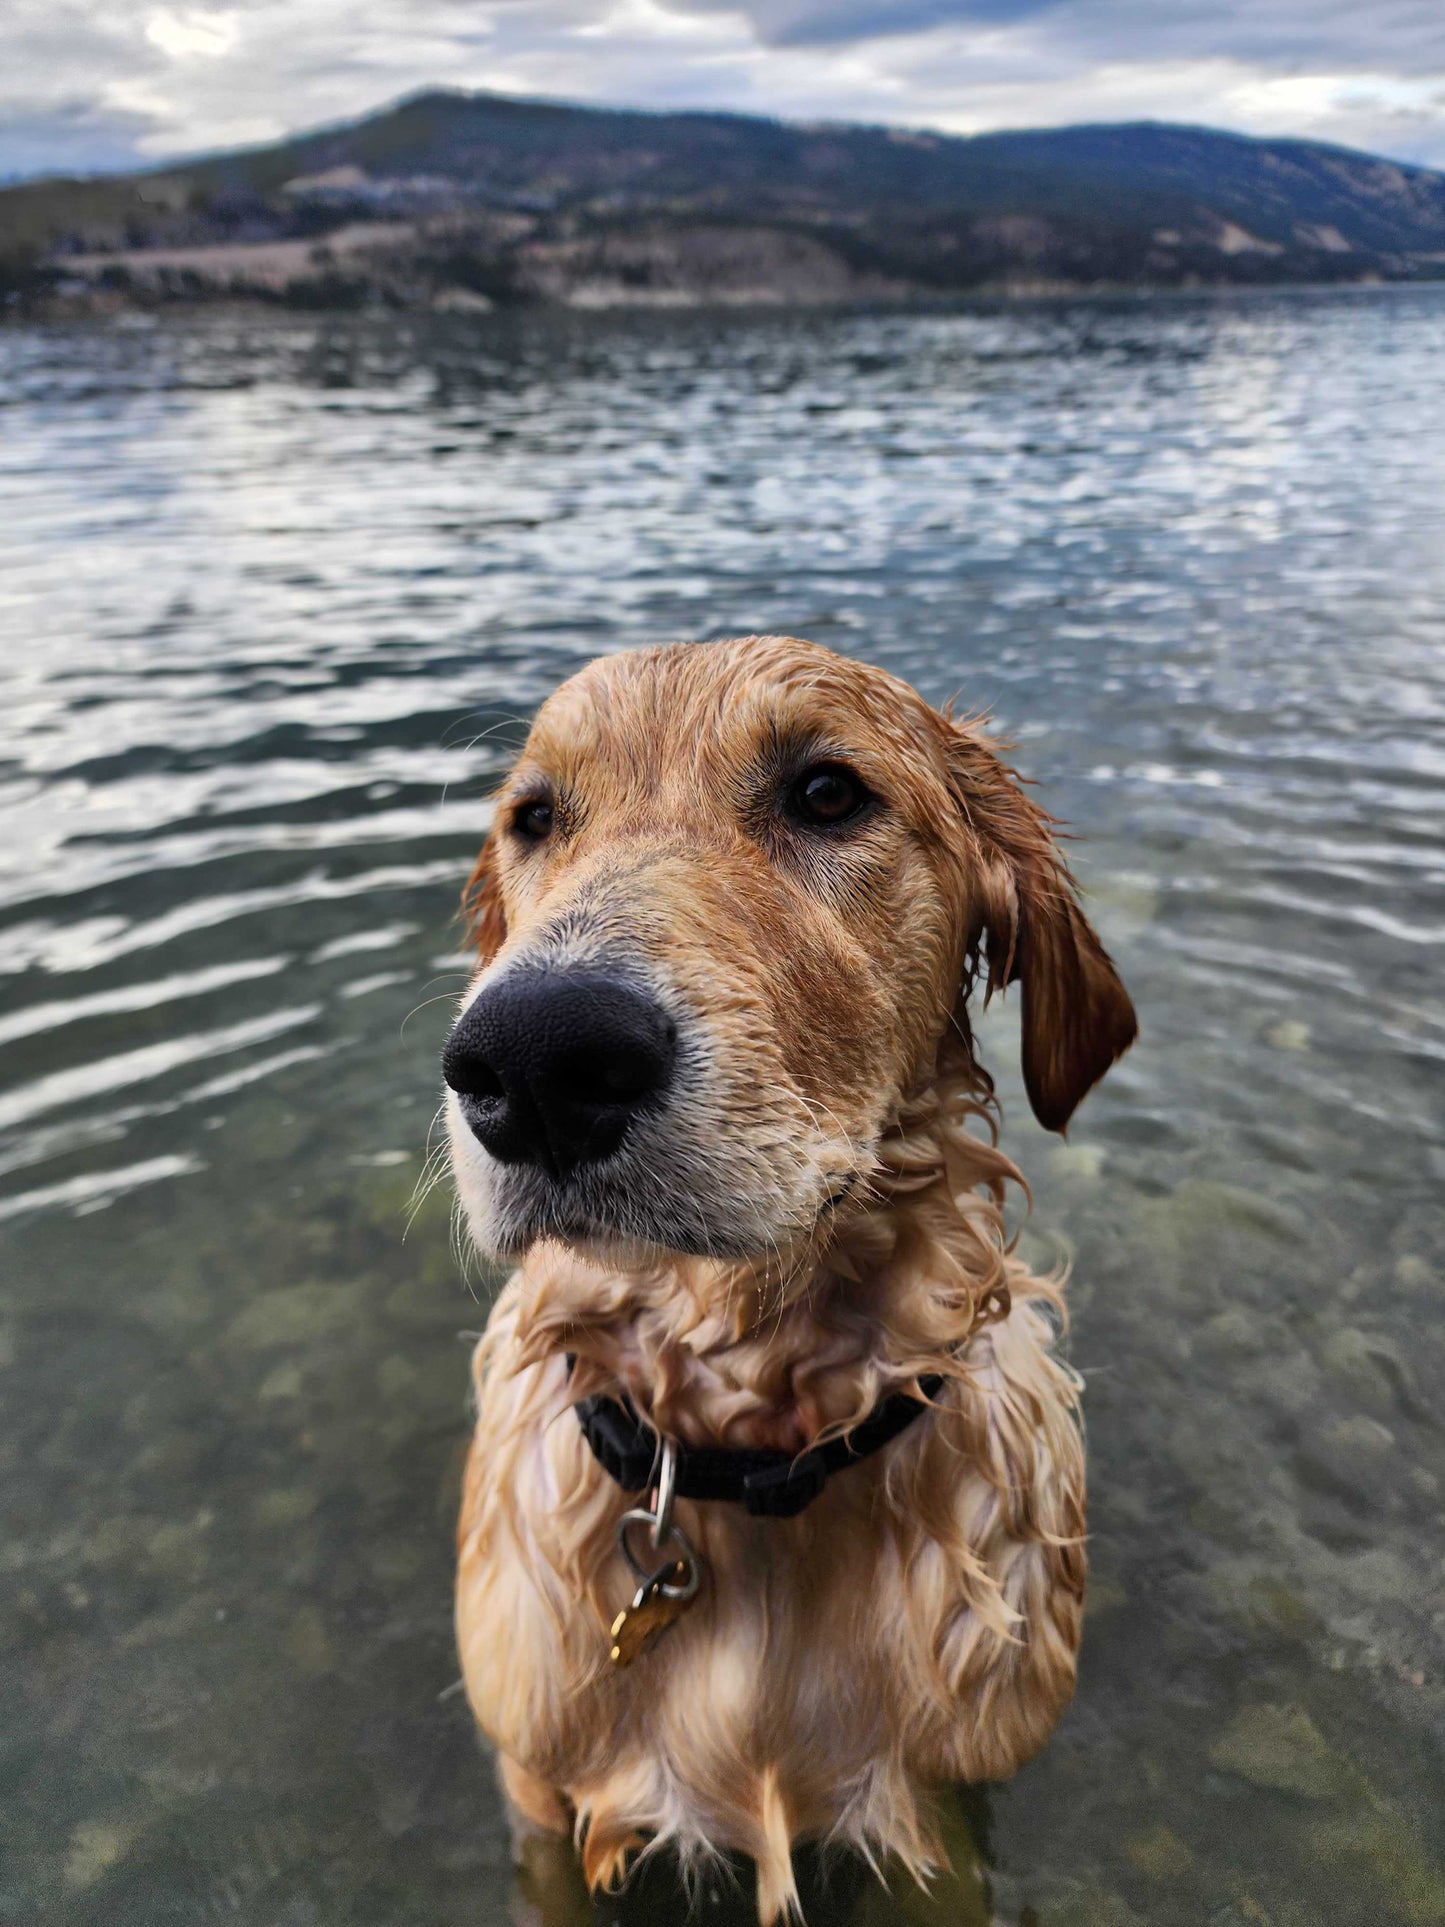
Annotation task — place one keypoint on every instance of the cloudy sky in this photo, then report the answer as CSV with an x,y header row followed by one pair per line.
x,y
95,84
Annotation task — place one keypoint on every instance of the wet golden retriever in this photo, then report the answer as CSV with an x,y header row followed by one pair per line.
x,y
714,1086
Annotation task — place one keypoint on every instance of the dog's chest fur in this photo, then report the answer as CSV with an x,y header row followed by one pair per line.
x,y
916,1624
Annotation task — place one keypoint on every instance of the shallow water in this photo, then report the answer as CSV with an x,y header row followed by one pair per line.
x,y
275,598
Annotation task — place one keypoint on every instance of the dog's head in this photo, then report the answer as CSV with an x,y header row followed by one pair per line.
x,y
734,898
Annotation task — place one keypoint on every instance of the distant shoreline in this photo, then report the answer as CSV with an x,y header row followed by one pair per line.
x,y
102,303
471,202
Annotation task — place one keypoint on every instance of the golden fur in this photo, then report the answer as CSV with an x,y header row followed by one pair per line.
x,y
819,1225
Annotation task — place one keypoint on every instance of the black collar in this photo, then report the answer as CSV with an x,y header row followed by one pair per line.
x,y
771,1484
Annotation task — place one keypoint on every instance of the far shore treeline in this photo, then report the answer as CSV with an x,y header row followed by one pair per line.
x,y
470,201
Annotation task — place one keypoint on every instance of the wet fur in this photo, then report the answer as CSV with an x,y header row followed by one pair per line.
x,y
918,1624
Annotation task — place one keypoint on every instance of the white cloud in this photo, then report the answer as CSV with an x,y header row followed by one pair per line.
x,y
87,84
192,35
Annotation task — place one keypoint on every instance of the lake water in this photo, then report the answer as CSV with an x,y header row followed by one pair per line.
x,y
276,597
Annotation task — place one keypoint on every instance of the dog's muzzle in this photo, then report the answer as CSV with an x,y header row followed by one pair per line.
x,y
552,1066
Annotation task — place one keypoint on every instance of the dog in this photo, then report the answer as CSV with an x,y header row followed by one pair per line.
x,y
714,1085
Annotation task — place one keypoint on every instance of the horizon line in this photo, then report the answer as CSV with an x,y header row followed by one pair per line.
x,y
320,129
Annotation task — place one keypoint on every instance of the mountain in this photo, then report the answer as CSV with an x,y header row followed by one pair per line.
x,y
469,199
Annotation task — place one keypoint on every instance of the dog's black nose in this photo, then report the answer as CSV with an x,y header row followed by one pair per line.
x,y
552,1066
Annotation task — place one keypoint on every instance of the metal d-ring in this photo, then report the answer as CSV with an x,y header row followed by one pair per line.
x,y
685,1556
666,1493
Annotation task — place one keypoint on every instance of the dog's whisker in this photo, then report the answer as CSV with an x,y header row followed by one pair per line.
x,y
442,997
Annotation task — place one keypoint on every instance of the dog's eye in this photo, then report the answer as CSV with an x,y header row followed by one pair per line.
x,y
533,821
827,794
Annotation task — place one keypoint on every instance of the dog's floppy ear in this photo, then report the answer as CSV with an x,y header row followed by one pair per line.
x,y
483,916
1030,929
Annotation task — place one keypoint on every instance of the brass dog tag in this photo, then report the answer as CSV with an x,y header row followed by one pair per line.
x,y
651,1612
665,1591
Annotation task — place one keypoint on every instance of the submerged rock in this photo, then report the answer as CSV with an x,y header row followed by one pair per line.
x,y
1281,1747
1094,1907
1078,1160
1396,1856
1370,1368
1247,1591
95,1847
1414,1273
1288,1034
1348,1459
294,1315
307,1642
1160,1854
1240,1332
284,1507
